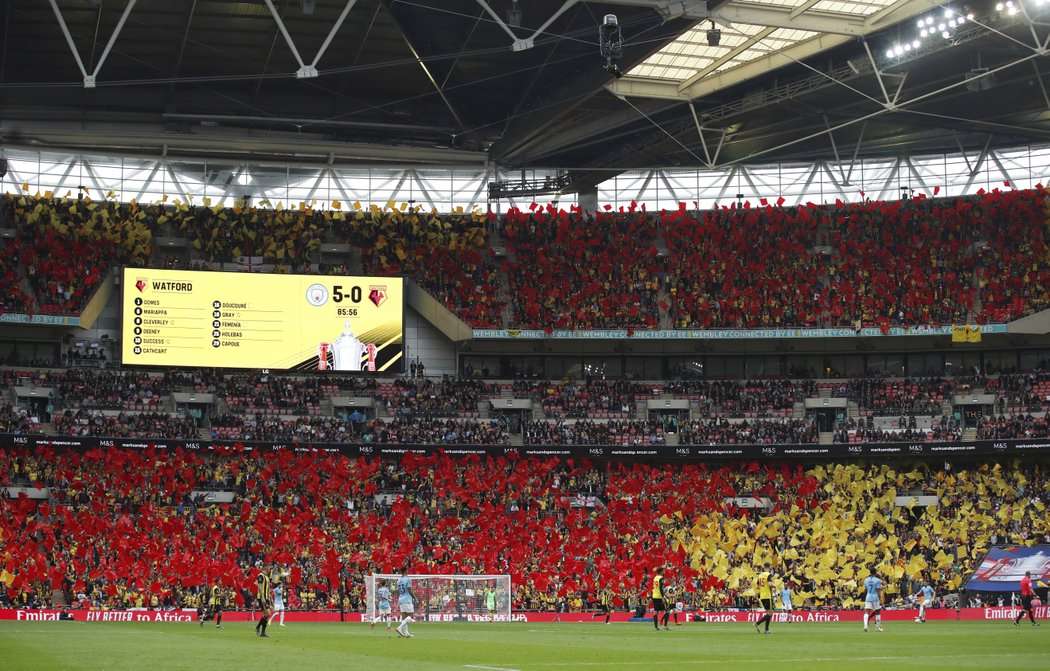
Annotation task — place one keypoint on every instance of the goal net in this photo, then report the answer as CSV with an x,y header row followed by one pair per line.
x,y
445,598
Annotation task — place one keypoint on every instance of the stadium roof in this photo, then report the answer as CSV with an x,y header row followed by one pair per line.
x,y
451,82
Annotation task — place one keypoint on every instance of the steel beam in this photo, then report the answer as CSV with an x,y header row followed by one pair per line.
x,y
284,31
804,17
331,35
899,105
306,71
112,40
426,70
725,58
72,45
519,44
716,81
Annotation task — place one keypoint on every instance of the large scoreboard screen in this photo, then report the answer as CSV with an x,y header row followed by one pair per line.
x,y
246,320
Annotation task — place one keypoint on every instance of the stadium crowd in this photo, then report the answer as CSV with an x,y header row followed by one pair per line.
x,y
575,399
872,263
748,398
125,528
583,432
568,271
907,430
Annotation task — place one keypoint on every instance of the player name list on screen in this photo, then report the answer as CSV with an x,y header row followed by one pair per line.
x,y
242,320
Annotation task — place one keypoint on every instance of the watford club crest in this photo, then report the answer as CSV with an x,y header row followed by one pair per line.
x,y
377,294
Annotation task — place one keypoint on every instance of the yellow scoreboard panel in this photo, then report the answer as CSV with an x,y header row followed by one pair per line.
x,y
248,320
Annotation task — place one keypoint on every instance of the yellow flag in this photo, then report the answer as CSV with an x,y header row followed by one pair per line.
x,y
959,334
973,334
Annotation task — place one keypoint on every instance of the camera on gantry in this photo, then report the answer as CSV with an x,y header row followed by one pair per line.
x,y
610,44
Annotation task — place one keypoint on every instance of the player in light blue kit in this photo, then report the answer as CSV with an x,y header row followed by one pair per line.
x,y
405,603
383,610
873,601
785,600
278,603
925,596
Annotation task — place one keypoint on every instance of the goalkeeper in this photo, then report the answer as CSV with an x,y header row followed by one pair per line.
x,y
490,603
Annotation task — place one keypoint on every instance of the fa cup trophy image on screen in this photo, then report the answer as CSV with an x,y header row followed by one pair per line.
x,y
346,353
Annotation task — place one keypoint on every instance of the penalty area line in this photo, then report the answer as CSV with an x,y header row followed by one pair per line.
x,y
490,668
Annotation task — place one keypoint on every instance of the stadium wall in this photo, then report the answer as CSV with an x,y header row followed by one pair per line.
x,y
822,452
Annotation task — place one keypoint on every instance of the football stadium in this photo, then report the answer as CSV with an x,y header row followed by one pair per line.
x,y
524,335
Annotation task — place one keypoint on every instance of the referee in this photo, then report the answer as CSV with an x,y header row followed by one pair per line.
x,y
1027,594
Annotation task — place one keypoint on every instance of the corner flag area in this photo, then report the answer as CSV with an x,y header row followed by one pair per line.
x,y
522,646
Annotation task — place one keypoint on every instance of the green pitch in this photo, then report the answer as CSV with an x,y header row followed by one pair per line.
x,y
520,647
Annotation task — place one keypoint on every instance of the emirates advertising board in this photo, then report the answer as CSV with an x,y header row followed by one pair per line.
x,y
249,320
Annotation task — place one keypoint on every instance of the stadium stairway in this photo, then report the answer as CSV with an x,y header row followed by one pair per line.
x,y
501,252
798,411
969,433
221,406
641,409
824,392
826,438
694,409
47,428
58,598
354,261
485,409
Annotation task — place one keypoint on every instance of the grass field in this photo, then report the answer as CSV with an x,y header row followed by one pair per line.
x,y
521,647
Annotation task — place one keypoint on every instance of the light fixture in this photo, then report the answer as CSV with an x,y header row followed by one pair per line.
x,y
915,44
946,34
999,6
924,32
714,35
514,15
889,53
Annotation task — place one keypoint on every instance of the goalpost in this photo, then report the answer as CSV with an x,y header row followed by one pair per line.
x,y
445,598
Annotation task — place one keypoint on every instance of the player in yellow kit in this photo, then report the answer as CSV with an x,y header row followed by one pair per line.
x,y
765,599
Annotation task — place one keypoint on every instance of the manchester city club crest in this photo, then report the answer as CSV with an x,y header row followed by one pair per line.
x,y
317,295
